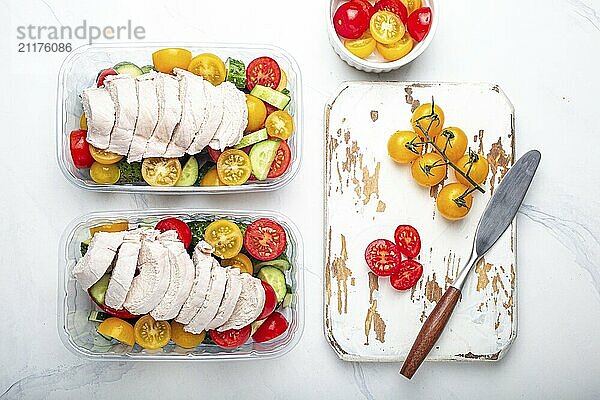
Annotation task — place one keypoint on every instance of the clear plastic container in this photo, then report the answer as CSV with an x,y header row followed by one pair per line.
x,y
79,71
74,305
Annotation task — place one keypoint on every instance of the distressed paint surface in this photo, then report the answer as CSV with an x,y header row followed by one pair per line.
x,y
367,195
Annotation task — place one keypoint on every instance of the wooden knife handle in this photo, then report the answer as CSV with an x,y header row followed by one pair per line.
x,y
430,331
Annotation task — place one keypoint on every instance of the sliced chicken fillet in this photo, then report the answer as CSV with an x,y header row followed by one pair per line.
x,y
211,304
124,270
249,305
207,132
99,112
122,90
147,115
98,258
233,289
169,115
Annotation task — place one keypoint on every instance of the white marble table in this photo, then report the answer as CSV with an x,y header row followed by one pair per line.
x,y
545,55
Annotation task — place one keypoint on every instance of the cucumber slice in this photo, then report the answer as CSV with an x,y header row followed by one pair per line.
x,y
189,173
287,300
276,279
128,68
84,246
262,155
271,96
97,316
236,72
282,263
147,68
252,138
98,289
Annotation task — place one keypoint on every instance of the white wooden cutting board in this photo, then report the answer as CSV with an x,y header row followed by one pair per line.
x,y
367,195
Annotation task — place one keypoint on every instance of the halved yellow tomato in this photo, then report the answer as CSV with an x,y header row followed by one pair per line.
x,y
208,66
104,174
241,261
282,81
166,59
83,122
386,27
225,236
257,113
411,5
158,171
117,226
118,329
280,124
185,339
234,167
103,156
152,334
396,50
211,178
361,47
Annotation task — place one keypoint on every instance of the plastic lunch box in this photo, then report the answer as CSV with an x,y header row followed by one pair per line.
x,y
79,71
74,305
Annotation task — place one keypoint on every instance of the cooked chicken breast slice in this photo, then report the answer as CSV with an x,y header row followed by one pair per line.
x,y
249,304
233,288
181,279
229,128
152,282
98,258
203,262
124,269
169,115
123,92
147,115
214,96
211,304
99,112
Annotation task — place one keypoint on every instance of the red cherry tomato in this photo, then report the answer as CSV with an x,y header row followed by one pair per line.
x,y
173,224
419,23
407,276
103,74
281,162
395,6
274,326
382,257
123,314
80,149
263,71
232,338
408,240
367,6
351,20
214,154
265,239
270,301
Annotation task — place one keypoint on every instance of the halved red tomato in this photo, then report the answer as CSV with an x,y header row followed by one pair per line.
x,y
394,6
80,150
124,314
419,23
103,74
408,240
231,338
274,326
173,224
407,276
270,301
281,162
263,71
265,239
382,257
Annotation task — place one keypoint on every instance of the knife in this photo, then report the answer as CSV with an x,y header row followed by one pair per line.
x,y
497,217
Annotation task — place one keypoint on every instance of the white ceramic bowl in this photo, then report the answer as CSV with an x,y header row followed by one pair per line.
x,y
375,63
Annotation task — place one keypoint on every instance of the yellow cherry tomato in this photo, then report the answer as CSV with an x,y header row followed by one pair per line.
x,y
454,201
225,236
210,67
257,113
280,124
152,334
402,148
211,178
234,167
411,5
453,142
282,81
386,27
429,169
117,226
166,59
118,329
105,174
475,166
83,122
185,339
361,47
158,171
431,119
396,50
241,261
103,156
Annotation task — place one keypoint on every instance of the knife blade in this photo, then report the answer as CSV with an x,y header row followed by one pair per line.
x,y
496,218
